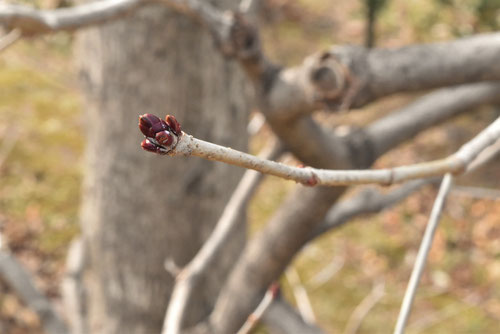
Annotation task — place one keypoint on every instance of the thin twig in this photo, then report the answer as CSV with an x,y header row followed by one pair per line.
x,y
9,141
362,310
326,274
432,319
476,192
255,317
369,200
193,272
21,281
188,145
422,254
302,299
10,38
485,156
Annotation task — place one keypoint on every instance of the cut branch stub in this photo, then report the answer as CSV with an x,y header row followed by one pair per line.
x,y
334,85
161,135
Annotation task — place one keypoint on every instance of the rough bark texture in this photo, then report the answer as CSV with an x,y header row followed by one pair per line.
x,y
139,208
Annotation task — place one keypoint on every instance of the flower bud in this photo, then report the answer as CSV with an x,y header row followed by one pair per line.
x,y
173,124
147,124
149,146
164,138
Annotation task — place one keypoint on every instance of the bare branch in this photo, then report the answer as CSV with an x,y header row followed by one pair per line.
x,y
476,192
281,318
255,317
427,111
300,294
30,21
327,272
485,156
369,200
188,145
422,254
20,280
362,75
362,310
190,276
10,38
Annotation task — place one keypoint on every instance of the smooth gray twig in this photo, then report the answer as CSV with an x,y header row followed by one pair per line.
x,y
455,163
422,254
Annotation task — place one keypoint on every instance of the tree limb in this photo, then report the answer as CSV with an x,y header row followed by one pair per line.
x,y
423,251
362,75
186,145
362,310
426,111
256,315
20,280
31,22
367,201
10,38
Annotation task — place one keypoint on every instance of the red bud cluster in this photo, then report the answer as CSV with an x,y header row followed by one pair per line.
x,y
160,134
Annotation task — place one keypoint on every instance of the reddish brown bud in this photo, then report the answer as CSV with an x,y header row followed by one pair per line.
x,y
149,146
160,134
149,124
173,124
147,131
164,138
149,119
160,126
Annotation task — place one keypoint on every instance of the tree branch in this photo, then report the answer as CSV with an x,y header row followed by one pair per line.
x,y
20,280
355,76
423,251
31,22
369,200
427,111
362,310
10,38
188,145
256,315
302,300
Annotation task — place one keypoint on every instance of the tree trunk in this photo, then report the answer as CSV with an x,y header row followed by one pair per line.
x,y
139,208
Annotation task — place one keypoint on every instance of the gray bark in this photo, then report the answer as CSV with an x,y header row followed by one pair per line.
x,y
354,76
139,208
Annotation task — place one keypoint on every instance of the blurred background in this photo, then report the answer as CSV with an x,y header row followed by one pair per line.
x,y
41,168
